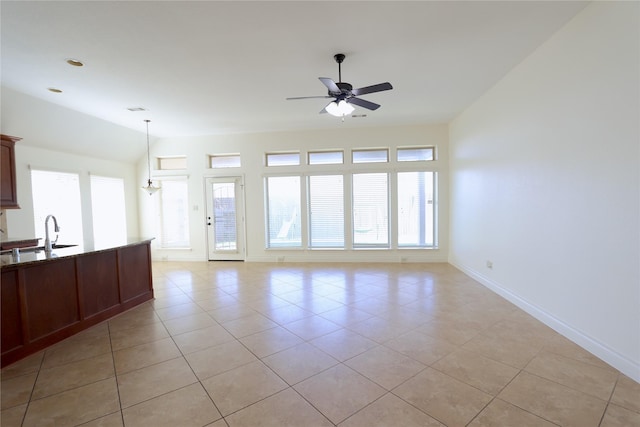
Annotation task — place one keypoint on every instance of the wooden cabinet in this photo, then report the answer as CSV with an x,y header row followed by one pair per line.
x,y
98,279
8,193
46,301
50,296
11,335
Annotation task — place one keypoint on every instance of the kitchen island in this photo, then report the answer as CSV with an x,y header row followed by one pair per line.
x,y
47,297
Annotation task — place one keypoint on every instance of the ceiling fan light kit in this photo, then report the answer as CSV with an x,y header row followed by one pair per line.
x,y
339,109
345,95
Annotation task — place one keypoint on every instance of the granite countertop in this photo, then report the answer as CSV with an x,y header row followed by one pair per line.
x,y
19,239
7,243
36,254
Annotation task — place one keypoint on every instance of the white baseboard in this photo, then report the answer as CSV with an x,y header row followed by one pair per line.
x,y
628,367
316,258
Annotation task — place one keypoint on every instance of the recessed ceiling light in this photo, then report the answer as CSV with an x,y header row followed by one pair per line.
x,y
75,62
137,109
54,90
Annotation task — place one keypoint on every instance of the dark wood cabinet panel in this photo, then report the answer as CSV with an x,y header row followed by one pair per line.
x,y
135,268
51,297
98,282
8,192
11,318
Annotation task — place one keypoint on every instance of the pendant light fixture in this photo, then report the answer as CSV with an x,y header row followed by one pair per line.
x,y
149,187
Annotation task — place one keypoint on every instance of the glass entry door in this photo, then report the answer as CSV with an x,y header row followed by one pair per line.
x,y
225,218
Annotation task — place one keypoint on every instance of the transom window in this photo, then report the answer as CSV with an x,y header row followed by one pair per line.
x,y
415,154
172,163
326,157
283,159
370,156
224,161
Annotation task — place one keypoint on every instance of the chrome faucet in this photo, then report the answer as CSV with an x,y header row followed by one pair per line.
x,y
48,247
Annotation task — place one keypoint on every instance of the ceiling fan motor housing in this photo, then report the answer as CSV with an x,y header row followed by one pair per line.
x,y
345,90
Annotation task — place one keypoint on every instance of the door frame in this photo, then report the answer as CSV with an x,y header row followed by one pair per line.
x,y
241,234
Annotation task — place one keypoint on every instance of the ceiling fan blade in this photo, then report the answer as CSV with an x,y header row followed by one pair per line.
x,y
330,84
308,97
371,89
362,103
324,110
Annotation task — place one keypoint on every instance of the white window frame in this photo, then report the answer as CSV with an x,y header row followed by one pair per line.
x,y
310,213
389,219
390,167
162,239
63,221
298,214
119,216
434,212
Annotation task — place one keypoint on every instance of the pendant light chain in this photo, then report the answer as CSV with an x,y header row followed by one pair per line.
x,y
149,187
148,152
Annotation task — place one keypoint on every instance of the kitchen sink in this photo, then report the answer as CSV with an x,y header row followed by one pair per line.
x,y
56,246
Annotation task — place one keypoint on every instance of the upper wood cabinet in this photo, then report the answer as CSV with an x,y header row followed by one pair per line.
x,y
8,193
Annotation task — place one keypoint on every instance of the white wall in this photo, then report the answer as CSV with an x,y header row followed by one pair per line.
x,y
39,122
44,124
252,148
20,221
545,184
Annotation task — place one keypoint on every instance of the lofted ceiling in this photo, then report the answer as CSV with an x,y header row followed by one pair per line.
x,y
214,67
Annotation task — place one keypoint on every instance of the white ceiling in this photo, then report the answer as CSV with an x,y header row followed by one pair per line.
x,y
211,67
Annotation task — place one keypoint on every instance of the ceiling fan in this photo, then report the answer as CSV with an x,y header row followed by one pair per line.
x,y
345,94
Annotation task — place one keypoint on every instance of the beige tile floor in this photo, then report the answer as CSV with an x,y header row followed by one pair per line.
x,y
249,344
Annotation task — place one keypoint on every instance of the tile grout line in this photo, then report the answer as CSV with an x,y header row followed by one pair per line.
x,y
199,381
606,408
33,388
115,373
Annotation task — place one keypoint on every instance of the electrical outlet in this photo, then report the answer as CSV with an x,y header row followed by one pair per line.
x,y
489,264
280,259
